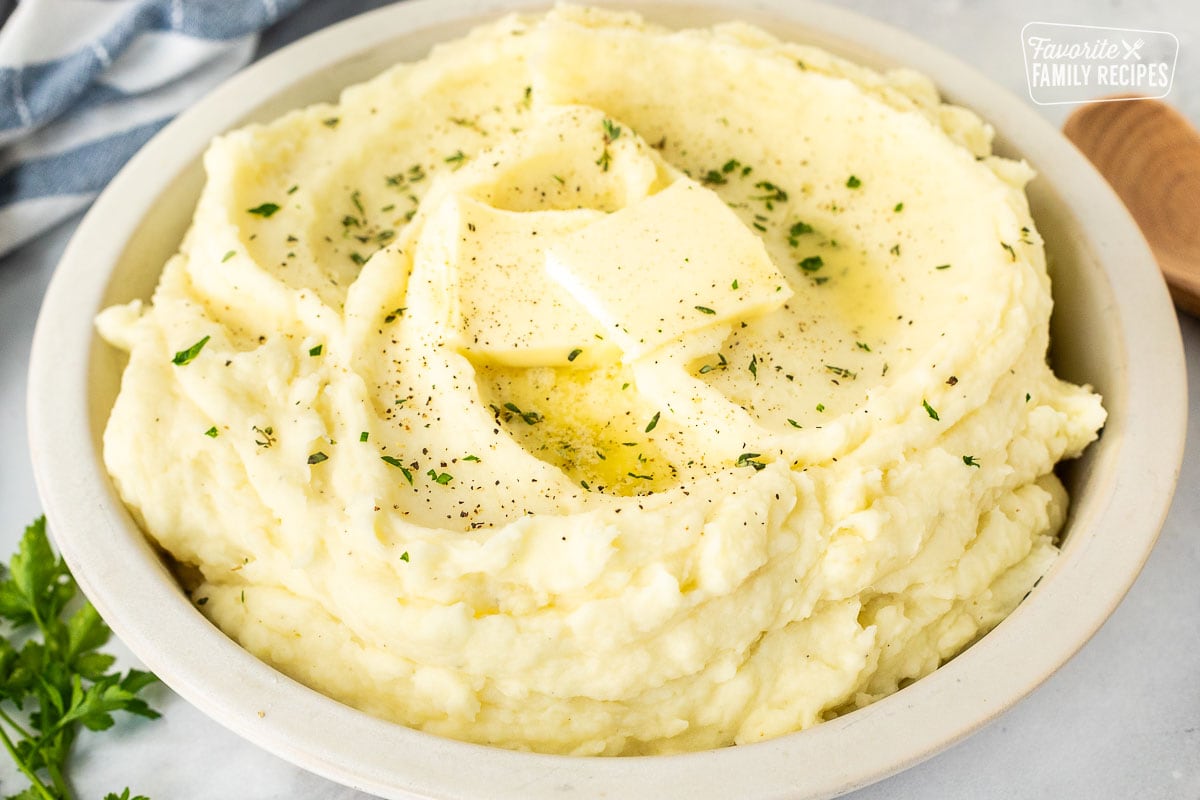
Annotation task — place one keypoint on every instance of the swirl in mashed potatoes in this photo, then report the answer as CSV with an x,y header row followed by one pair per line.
x,y
595,388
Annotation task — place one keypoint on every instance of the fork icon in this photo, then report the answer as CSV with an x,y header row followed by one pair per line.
x,y
1132,50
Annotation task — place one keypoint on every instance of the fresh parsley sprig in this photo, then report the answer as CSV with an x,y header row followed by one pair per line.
x,y
53,679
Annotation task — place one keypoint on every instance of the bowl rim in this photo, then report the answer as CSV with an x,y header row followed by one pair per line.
x,y
146,609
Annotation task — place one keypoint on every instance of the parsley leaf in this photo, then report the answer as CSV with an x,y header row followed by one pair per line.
x,y
440,478
750,460
264,210
530,417
398,464
186,356
54,682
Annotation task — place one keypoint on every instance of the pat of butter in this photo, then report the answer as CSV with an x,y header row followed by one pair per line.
x,y
677,262
505,309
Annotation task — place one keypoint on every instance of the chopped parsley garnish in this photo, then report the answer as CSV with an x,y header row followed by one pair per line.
x,y
773,194
653,421
292,189
971,461
228,256
705,310
264,210
394,313
812,263
841,372
395,462
1012,254
820,407
317,458
186,356
316,351
895,250
898,207
267,434
404,556
330,122
713,178
750,460
612,132
640,477
574,354
853,182
440,478
1028,397
793,423
456,158
930,410
358,259
470,458
942,266
799,229
401,180
463,122
530,417
212,432
863,346
364,436
733,164
754,365
734,285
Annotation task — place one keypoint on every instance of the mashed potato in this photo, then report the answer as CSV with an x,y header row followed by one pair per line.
x,y
593,388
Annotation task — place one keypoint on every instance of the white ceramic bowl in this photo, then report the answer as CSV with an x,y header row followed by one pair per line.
x,y
1113,327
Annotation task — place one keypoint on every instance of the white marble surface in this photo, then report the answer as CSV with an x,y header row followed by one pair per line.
x,y
1121,720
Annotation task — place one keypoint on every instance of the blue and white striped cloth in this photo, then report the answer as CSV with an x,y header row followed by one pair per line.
x,y
85,83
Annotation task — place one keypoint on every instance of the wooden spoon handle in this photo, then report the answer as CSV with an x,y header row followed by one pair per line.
x,y
1150,154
